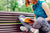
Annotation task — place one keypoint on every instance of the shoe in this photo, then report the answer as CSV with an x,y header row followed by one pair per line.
x,y
21,28
36,31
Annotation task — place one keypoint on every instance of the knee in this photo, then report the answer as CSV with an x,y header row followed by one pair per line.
x,y
40,19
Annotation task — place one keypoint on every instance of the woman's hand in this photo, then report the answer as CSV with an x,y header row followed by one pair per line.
x,y
34,19
31,22
47,19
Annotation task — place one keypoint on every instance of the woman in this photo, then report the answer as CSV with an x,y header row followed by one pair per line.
x,y
42,15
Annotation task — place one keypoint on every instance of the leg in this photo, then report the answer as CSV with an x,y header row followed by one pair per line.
x,y
23,28
21,18
41,23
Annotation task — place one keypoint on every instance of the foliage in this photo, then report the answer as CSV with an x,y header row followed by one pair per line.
x,y
3,4
12,5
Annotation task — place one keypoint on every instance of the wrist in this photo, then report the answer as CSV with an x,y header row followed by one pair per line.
x,y
47,19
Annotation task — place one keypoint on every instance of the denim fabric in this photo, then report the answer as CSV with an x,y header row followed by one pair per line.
x,y
42,23
39,23
26,25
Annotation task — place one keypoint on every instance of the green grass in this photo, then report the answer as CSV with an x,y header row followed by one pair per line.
x,y
49,7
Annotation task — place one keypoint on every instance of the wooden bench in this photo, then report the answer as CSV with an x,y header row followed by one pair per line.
x,y
9,22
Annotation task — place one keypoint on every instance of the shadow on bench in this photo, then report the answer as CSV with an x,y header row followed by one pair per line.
x,y
9,22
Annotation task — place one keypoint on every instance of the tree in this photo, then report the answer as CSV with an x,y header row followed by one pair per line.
x,y
44,0
3,4
13,5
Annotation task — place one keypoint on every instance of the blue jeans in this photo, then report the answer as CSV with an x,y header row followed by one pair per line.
x,y
40,23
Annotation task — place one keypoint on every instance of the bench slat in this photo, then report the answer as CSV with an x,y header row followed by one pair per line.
x,y
8,24
14,32
16,13
15,17
8,21
11,17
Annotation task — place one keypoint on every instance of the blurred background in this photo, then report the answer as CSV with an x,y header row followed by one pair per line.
x,y
16,6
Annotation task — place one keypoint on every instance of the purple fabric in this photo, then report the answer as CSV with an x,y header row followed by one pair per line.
x,y
39,23
42,23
